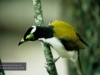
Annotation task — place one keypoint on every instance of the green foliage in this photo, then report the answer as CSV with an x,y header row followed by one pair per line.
x,y
86,16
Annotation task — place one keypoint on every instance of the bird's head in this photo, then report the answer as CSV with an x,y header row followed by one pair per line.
x,y
29,35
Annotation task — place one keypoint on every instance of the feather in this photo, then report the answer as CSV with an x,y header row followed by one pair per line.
x,y
82,40
67,34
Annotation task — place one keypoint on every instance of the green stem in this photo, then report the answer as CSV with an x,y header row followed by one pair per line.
x,y
51,69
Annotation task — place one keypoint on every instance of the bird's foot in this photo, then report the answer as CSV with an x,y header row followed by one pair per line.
x,y
55,60
52,61
48,70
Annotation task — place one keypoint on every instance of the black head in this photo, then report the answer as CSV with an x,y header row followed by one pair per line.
x,y
29,35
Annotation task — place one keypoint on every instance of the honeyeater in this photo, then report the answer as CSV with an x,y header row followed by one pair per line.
x,y
61,36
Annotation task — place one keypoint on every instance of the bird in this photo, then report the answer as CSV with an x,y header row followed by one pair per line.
x,y
61,36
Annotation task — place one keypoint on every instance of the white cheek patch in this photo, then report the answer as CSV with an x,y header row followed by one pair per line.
x,y
34,29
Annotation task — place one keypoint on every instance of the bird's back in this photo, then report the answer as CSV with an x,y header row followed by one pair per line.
x,y
67,34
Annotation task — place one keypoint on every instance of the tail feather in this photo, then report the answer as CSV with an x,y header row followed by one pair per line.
x,y
82,40
79,66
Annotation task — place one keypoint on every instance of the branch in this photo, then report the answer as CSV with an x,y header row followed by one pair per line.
x,y
51,69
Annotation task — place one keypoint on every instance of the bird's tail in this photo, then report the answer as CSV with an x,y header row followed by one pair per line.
x,y
82,40
78,66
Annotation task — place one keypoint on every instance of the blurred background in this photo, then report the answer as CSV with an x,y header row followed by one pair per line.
x,y
16,16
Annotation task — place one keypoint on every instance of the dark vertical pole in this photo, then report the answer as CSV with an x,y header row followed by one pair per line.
x,y
1,70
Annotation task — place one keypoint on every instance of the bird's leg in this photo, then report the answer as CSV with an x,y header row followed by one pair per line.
x,y
54,60
47,68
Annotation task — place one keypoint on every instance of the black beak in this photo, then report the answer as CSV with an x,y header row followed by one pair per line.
x,y
22,41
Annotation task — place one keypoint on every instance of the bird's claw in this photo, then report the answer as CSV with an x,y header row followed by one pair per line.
x,y
54,61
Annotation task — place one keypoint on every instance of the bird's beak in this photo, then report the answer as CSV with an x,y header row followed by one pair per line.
x,y
28,38
22,41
